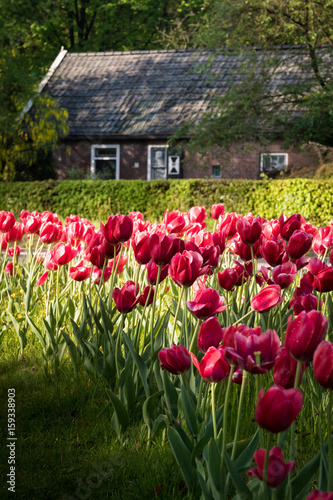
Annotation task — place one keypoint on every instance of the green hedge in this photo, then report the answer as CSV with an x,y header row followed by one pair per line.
x,y
96,200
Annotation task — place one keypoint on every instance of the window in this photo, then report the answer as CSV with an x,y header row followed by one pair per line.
x,y
216,171
105,161
157,162
273,163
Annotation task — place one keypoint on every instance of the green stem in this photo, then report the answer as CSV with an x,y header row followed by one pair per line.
x,y
213,411
240,404
225,416
330,450
245,316
176,314
195,334
187,342
319,300
269,442
151,326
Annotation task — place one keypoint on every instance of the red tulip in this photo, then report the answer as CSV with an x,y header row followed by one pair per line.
x,y
216,210
118,228
161,248
284,369
247,342
228,278
120,263
14,251
50,232
210,334
323,281
237,377
152,270
315,265
219,240
9,269
213,367
174,222
304,334
284,274
206,302
96,275
320,495
79,272
277,408
210,255
147,295
323,364
175,359
15,233
63,253
7,221
32,223
272,251
299,244
42,279
277,470
197,214
268,298
227,224
140,247
249,229
322,240
184,268
289,225
126,297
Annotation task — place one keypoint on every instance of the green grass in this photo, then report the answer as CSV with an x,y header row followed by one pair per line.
x,y
66,447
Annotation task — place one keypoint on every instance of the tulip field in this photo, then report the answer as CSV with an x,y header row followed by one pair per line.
x,y
216,344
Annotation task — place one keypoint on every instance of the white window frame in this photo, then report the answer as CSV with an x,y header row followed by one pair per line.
x,y
155,146
106,157
262,155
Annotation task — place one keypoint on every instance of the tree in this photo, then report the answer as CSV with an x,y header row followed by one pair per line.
x,y
248,111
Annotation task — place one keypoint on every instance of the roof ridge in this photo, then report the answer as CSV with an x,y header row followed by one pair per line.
x,y
189,50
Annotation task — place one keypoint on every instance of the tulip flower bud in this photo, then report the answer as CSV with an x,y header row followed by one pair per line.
x,y
175,359
304,334
277,470
210,334
323,364
268,298
213,367
277,408
216,210
299,244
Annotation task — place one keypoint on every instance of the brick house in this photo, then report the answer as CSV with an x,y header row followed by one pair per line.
x,y
123,107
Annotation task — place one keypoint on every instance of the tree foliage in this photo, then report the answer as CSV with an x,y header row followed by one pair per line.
x,y
248,111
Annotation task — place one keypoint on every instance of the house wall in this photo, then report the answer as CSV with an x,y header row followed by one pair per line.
x,y
241,162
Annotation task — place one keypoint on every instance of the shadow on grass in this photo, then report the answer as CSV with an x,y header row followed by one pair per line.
x,y
66,448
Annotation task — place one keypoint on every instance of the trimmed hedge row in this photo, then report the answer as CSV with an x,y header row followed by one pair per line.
x,y
96,200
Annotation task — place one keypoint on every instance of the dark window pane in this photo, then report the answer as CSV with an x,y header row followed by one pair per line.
x,y
106,152
105,169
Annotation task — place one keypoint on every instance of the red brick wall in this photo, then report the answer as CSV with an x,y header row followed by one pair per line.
x,y
242,162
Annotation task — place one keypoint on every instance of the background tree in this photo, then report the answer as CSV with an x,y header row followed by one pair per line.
x,y
248,112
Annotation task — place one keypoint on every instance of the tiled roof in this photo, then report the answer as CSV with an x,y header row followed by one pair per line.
x,y
152,93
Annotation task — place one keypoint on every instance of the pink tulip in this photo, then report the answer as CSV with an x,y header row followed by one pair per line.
x,y
277,408
213,367
210,334
277,470
175,359
206,303
268,298
304,334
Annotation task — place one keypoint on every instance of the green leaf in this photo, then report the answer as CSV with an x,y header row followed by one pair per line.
x,y
72,351
140,364
190,412
183,458
149,409
245,458
170,394
303,479
122,420
237,479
